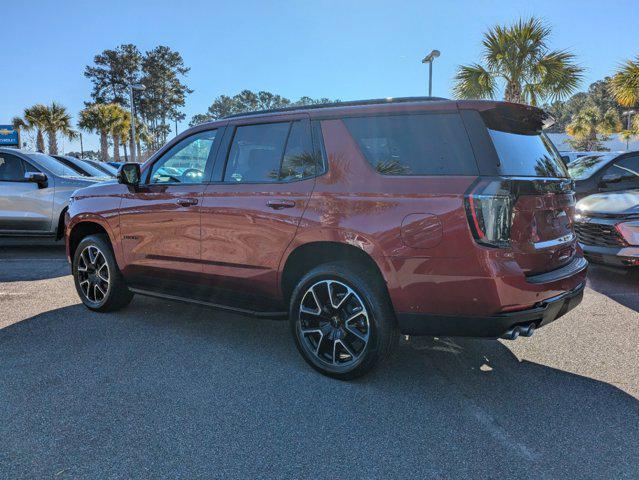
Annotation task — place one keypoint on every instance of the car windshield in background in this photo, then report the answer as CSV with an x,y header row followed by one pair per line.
x,y
53,165
585,167
527,155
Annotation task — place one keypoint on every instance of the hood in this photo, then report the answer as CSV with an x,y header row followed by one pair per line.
x,y
610,204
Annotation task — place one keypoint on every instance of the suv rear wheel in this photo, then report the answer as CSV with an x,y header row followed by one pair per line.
x,y
97,277
342,320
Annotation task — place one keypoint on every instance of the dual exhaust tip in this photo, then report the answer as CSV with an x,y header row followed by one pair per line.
x,y
523,330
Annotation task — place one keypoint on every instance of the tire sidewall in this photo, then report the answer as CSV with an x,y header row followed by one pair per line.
x,y
98,242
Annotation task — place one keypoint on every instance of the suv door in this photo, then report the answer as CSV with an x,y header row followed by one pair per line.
x,y
251,214
25,207
622,174
160,219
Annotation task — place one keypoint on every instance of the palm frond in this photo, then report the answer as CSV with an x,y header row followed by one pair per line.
x,y
474,81
625,83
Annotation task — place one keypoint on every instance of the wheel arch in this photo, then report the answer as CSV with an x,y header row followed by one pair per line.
x,y
303,257
89,225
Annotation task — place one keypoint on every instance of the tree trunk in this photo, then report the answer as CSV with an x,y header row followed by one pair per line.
x,y
116,148
40,141
53,142
513,92
126,157
104,147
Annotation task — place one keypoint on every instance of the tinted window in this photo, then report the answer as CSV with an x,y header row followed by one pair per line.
x,y
11,168
585,167
428,144
256,153
624,170
299,160
186,161
528,155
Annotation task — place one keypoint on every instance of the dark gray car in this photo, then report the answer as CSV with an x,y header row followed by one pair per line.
x,y
34,193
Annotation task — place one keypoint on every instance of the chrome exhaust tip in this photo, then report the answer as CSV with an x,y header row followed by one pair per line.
x,y
527,330
511,334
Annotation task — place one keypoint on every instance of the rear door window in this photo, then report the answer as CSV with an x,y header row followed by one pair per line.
x,y
417,144
299,160
527,155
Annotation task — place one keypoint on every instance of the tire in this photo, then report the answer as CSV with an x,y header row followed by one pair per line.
x,y
94,264
348,341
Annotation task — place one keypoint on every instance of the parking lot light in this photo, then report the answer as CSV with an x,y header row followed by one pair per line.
x,y
429,60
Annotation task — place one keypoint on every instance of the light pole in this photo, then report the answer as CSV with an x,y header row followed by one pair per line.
x,y
132,87
429,60
629,114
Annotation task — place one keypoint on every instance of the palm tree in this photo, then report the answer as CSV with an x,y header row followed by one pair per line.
x,y
625,83
589,122
33,119
56,120
119,128
100,118
518,57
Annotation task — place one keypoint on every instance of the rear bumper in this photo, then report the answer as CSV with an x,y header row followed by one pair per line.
x,y
492,326
617,256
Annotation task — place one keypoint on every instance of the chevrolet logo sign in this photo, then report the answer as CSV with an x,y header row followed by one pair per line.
x,y
5,131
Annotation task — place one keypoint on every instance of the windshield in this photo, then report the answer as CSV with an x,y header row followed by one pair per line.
x,y
585,167
52,165
527,155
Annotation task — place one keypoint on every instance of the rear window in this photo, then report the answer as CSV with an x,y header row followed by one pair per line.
x,y
419,144
527,155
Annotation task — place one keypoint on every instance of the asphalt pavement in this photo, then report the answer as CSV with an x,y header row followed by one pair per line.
x,y
168,390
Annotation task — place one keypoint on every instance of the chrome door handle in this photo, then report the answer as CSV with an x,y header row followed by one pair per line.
x,y
186,202
279,204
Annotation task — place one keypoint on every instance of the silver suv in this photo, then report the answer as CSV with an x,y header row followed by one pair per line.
x,y
34,193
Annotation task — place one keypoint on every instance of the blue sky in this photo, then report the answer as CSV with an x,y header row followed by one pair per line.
x,y
336,49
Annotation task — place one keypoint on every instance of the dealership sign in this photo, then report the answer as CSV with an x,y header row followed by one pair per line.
x,y
9,136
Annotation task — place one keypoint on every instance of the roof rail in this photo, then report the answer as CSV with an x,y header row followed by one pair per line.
x,y
353,103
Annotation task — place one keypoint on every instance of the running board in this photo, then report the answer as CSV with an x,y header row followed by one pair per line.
x,y
226,308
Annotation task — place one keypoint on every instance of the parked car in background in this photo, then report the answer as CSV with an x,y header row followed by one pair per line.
x,y
605,172
607,225
356,221
34,193
82,167
108,169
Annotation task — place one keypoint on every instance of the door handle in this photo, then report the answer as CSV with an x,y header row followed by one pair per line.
x,y
186,202
279,204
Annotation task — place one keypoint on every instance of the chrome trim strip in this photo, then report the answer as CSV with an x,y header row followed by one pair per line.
x,y
553,243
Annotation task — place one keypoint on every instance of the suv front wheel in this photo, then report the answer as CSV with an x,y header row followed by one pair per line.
x,y
97,277
342,320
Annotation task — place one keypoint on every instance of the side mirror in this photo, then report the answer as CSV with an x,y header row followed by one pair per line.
x,y
36,177
609,178
129,174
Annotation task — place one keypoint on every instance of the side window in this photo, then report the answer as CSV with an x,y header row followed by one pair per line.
x,y
11,168
256,153
626,169
419,144
299,161
186,161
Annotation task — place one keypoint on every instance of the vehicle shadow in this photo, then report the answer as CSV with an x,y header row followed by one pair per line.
x,y
38,261
618,283
164,389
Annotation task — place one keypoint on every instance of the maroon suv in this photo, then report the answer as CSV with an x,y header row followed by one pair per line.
x,y
357,221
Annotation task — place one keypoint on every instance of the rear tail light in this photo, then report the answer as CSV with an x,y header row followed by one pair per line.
x,y
489,207
629,231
